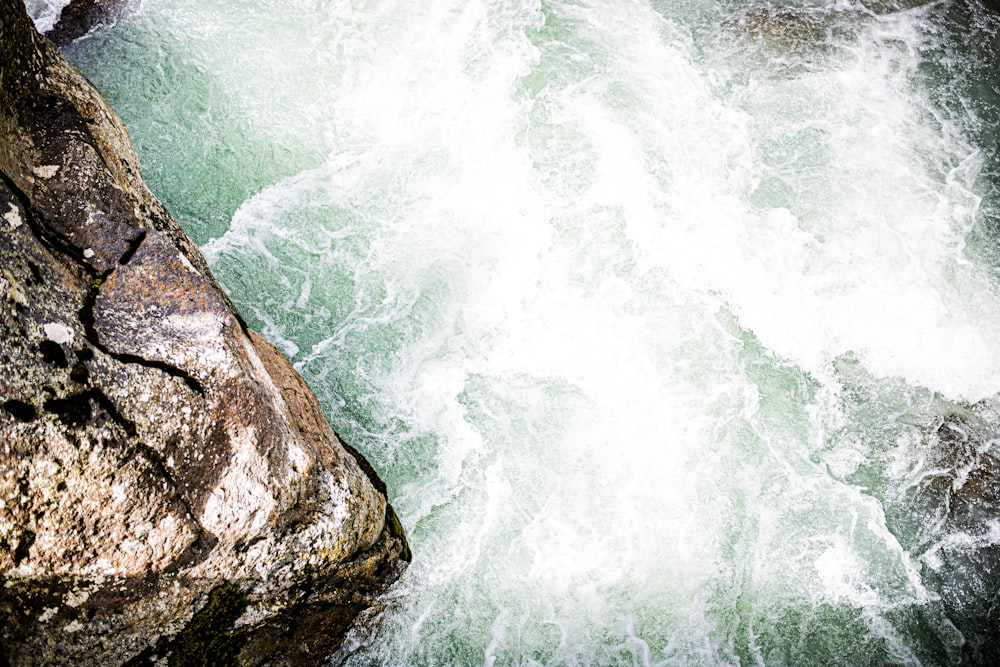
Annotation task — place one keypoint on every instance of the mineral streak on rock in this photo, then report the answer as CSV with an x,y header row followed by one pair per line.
x,y
169,486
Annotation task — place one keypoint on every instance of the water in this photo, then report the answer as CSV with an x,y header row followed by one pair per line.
x,y
45,12
674,328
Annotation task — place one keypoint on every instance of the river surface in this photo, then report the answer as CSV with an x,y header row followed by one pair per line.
x,y
672,325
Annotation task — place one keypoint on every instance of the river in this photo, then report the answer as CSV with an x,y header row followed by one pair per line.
x,y
673,326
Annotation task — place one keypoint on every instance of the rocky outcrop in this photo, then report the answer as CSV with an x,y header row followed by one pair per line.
x,y
170,491
80,16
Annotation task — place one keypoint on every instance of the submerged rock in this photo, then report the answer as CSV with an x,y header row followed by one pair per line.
x,y
961,491
169,486
81,16
776,25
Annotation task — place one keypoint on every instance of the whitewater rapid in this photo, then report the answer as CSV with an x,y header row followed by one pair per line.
x,y
673,327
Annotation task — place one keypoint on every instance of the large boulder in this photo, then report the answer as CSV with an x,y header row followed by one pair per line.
x,y
169,487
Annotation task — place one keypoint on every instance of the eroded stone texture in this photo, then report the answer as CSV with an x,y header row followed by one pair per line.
x,y
163,469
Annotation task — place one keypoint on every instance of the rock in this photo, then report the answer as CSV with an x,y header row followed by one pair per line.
x,y
169,486
81,16
960,496
992,5
781,26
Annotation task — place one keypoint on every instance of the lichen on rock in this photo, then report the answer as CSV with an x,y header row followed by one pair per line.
x,y
157,457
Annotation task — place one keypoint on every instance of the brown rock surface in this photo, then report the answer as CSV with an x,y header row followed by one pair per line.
x,y
169,486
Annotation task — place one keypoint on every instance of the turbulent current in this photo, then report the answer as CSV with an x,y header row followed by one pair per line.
x,y
673,325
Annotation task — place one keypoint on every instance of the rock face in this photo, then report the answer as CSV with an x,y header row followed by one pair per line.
x,y
170,491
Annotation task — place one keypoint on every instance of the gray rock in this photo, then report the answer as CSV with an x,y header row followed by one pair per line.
x,y
169,486
81,16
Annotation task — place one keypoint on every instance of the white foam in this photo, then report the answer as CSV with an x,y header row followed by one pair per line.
x,y
585,284
45,13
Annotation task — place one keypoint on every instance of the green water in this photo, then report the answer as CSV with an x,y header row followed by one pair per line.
x,y
673,327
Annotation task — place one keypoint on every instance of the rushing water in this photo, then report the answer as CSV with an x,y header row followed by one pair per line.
x,y
674,327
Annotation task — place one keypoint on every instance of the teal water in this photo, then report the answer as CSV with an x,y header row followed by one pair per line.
x,y
673,327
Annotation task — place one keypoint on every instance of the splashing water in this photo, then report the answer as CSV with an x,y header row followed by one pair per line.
x,y
45,12
674,328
